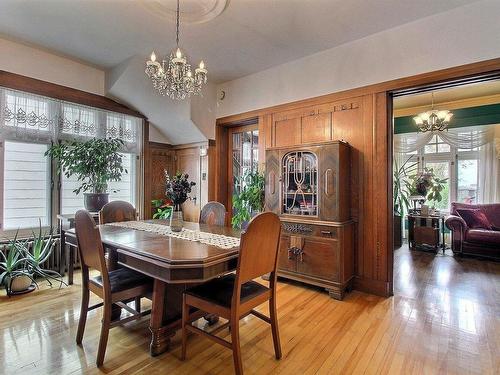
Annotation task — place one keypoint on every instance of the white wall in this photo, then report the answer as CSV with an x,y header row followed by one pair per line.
x,y
464,35
37,63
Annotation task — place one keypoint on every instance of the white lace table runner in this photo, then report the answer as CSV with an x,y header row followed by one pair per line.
x,y
218,240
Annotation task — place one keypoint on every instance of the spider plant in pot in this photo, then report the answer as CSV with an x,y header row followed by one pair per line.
x,y
249,199
178,188
22,263
95,163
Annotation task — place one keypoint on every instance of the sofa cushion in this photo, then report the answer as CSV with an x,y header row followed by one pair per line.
x,y
475,218
483,236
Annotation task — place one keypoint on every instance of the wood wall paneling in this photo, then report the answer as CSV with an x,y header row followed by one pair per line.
x,y
286,132
359,116
316,128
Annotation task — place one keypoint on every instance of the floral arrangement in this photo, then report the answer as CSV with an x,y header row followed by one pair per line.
x,y
178,187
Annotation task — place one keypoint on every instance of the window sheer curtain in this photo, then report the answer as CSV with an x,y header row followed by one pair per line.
x,y
486,138
35,118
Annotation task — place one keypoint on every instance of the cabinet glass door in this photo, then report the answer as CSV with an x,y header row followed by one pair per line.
x,y
300,183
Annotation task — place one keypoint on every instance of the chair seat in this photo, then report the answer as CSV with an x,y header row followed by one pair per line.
x,y
220,290
123,279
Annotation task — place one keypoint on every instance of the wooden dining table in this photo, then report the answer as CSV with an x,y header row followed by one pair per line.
x,y
173,263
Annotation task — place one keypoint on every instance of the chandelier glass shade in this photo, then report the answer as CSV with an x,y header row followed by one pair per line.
x,y
433,120
174,77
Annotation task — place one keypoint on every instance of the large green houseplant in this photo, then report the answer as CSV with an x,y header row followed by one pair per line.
x,y
95,162
249,199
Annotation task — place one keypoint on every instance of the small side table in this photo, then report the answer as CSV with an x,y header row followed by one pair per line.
x,y
66,222
426,231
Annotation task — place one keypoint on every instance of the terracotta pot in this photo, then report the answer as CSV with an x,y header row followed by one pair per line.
x,y
95,201
20,284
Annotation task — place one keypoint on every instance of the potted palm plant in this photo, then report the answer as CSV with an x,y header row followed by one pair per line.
x,y
401,194
22,263
95,162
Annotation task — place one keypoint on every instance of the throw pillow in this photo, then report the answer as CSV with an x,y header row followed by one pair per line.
x,y
475,218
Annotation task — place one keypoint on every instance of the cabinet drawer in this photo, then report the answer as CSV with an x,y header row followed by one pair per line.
x,y
319,258
302,229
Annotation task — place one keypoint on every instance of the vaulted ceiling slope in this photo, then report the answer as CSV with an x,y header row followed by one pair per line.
x,y
249,36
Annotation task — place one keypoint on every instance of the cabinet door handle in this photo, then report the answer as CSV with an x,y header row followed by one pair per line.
x,y
329,174
272,178
301,254
326,232
327,178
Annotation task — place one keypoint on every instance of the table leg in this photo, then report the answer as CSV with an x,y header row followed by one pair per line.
x,y
160,337
71,263
62,256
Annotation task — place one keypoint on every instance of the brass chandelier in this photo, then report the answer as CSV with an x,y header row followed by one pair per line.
x,y
433,120
174,78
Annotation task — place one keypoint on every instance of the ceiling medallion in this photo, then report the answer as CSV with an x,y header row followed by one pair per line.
x,y
433,120
174,78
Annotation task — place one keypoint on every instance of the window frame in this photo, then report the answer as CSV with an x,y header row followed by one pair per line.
x,y
453,157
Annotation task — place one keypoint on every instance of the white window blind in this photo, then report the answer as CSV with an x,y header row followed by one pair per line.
x,y
26,185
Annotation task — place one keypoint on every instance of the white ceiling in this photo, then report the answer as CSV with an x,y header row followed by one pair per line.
x,y
249,36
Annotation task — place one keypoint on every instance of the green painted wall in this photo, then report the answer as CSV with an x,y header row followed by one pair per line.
x,y
463,117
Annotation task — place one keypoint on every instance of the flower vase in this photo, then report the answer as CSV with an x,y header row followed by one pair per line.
x,y
177,219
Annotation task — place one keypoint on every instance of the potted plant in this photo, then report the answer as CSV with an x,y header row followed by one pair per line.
x,y
23,263
427,185
163,208
401,194
177,189
95,162
249,200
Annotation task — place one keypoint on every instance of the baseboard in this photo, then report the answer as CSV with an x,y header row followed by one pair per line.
x,y
377,287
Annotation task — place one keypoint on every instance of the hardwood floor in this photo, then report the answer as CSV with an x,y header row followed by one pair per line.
x,y
443,318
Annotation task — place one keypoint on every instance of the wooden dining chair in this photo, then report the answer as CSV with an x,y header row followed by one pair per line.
x,y
116,211
235,295
213,213
112,287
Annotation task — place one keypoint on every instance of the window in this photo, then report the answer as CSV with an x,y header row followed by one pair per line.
x,y
468,173
28,125
460,166
26,185
436,146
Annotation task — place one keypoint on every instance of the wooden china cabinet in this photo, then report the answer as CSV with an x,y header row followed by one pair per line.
x,y
309,188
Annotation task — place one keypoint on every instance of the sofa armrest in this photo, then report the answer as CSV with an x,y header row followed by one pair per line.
x,y
458,228
456,223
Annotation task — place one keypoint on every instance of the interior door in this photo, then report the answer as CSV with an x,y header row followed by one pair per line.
x,y
243,156
188,161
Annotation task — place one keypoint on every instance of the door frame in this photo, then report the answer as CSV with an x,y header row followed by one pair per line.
x,y
230,176
223,158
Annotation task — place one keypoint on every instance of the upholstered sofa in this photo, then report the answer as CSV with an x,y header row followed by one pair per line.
x,y
476,241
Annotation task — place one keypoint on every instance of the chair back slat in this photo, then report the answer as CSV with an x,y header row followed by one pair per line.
x,y
259,247
89,242
213,213
117,211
